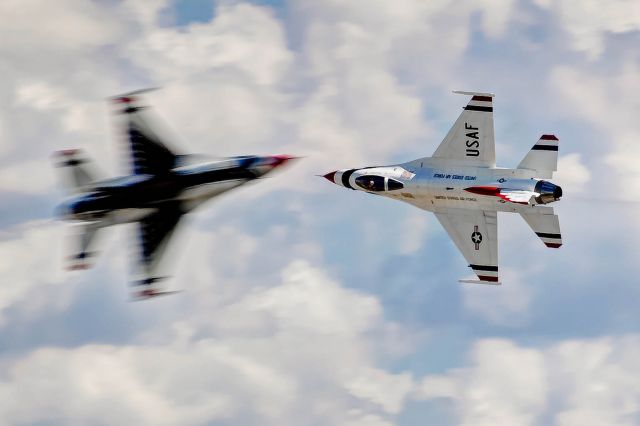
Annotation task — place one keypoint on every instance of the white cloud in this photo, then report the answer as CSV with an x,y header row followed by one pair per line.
x,y
506,384
610,106
74,25
355,52
75,115
310,364
575,382
259,337
233,84
3,142
496,16
506,305
62,65
242,39
383,388
589,23
306,302
39,95
125,385
358,418
572,174
31,270
146,12
412,232
595,379
27,178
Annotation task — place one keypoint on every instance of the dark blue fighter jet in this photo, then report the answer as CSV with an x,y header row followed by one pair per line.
x,y
161,188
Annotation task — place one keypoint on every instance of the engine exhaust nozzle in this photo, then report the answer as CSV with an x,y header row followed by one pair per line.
x,y
548,192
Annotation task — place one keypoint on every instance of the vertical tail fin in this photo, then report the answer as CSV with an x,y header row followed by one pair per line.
x,y
77,173
543,157
546,226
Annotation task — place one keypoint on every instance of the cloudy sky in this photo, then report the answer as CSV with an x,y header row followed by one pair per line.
x,y
305,303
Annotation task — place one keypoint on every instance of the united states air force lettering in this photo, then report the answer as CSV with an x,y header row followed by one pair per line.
x,y
455,177
473,141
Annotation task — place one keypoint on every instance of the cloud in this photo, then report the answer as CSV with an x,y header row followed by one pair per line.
x,y
412,233
31,270
309,362
75,115
573,382
589,24
593,380
572,175
507,305
298,302
145,13
12,178
284,317
358,418
243,40
609,106
76,25
496,16
506,384
380,387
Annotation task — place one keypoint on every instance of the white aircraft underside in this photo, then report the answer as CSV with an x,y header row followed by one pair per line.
x,y
462,186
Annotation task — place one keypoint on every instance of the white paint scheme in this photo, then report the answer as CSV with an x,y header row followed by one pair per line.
x,y
543,161
462,186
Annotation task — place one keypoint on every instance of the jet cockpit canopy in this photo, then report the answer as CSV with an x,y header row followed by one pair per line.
x,y
373,183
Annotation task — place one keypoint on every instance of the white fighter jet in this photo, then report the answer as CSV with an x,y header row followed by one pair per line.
x,y
461,184
160,189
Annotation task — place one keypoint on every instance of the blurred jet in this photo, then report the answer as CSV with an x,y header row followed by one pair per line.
x,y
462,186
161,188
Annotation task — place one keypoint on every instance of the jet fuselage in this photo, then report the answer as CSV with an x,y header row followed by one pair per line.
x,y
130,198
432,186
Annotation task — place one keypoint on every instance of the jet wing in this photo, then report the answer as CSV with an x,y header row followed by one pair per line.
x,y
475,233
149,153
154,234
470,142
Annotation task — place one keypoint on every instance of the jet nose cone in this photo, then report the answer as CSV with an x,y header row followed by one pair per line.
x,y
330,177
279,160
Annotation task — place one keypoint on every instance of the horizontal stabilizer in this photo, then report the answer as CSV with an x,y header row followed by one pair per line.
x,y
546,226
130,96
480,282
80,261
83,247
462,92
150,293
149,287
77,173
543,157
